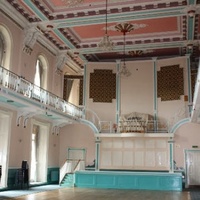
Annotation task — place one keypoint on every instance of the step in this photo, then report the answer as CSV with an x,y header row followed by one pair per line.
x,y
68,181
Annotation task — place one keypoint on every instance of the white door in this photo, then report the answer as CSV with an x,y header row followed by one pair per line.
x,y
39,152
5,124
192,161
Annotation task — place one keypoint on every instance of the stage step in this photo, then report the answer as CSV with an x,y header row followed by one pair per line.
x,y
68,180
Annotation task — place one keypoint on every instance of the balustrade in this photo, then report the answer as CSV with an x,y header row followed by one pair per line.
x,y
20,85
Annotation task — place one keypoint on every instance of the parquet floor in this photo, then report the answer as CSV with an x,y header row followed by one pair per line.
x,y
105,194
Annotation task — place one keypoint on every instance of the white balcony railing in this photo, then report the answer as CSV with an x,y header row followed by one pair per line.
x,y
139,126
20,85
23,87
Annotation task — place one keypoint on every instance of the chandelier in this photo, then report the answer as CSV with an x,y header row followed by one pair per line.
x,y
124,28
72,3
139,52
106,44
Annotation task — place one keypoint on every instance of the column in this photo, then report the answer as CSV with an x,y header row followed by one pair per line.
x,y
155,104
189,82
118,91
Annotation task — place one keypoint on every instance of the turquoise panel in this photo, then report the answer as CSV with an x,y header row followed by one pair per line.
x,y
167,182
105,180
129,180
85,180
148,182
53,175
11,182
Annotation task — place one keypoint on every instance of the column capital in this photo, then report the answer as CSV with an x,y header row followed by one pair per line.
x,y
118,61
154,59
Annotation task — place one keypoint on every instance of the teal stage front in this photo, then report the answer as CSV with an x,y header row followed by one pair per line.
x,y
129,180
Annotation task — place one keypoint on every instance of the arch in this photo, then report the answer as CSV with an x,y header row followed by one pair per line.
x,y
6,36
91,125
43,69
178,124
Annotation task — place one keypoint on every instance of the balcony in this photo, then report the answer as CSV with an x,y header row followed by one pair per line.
x,y
16,93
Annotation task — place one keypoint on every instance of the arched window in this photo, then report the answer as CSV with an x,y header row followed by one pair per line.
x,y
2,48
5,47
40,78
38,73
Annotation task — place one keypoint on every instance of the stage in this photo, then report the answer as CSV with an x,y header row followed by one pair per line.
x,y
129,180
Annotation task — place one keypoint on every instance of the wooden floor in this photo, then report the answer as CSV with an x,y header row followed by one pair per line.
x,y
105,194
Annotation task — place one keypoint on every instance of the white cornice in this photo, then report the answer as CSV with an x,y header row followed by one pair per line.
x,y
13,14
23,23
48,45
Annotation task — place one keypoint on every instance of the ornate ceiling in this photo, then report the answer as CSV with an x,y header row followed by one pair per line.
x,y
163,28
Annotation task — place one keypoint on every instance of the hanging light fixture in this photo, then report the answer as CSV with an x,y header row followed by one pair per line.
x,y
124,28
140,52
106,44
136,53
72,3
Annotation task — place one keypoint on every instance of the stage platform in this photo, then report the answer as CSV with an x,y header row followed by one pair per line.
x,y
129,180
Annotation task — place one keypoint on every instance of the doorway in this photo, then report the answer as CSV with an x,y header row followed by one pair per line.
x,y
192,163
5,125
73,89
39,147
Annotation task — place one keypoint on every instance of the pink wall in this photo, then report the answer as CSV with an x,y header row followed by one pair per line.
x,y
53,151
19,144
137,90
77,136
24,64
137,94
185,137
16,37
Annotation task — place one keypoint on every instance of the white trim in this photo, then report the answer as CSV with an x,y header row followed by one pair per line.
x,y
7,150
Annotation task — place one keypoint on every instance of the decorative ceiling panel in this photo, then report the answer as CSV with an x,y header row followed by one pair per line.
x,y
168,26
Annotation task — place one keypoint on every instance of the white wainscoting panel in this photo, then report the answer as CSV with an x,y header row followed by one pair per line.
x,y
134,153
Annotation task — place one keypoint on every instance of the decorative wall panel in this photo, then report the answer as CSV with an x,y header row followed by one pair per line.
x,y
102,85
134,154
170,83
